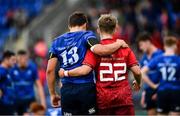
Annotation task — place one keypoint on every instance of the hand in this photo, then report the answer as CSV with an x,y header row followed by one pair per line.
x,y
44,104
122,43
1,93
143,99
155,86
55,101
61,72
136,86
154,97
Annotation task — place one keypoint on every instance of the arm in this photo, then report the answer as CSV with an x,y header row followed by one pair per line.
x,y
89,63
137,74
41,92
50,75
102,50
79,71
145,70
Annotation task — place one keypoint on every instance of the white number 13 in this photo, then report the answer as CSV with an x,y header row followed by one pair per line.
x,y
110,71
74,56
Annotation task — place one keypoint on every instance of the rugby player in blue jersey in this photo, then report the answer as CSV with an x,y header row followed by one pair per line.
x,y
78,95
24,75
168,90
7,92
150,52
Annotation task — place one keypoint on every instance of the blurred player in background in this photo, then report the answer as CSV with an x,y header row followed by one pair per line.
x,y
168,91
7,92
148,99
78,95
114,95
24,75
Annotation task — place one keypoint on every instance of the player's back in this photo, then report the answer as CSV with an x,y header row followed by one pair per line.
x,y
169,67
70,49
114,68
112,80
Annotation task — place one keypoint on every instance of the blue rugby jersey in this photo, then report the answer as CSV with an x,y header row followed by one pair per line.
x,y
7,87
70,49
152,74
169,69
24,80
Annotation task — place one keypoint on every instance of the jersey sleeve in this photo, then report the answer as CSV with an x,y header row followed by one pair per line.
x,y
131,59
91,39
90,59
52,51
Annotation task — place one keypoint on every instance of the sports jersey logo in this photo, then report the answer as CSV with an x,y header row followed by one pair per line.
x,y
92,110
67,114
16,72
29,72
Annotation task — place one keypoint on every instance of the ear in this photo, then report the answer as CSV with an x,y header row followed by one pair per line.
x,y
98,30
84,25
69,27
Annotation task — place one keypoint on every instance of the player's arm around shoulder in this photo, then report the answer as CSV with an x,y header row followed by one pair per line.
x,y
79,71
108,49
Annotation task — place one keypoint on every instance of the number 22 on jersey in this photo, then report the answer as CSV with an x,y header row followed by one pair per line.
x,y
111,70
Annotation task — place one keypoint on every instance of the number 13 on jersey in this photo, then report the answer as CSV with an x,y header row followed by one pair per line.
x,y
111,71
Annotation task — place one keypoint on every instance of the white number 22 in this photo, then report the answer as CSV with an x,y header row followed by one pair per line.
x,y
74,56
110,71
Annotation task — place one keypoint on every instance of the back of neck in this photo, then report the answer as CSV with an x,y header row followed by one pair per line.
x,y
169,52
106,36
75,29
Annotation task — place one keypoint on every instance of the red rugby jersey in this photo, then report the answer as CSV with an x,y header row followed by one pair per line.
x,y
112,84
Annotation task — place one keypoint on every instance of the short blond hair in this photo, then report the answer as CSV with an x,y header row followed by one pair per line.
x,y
107,23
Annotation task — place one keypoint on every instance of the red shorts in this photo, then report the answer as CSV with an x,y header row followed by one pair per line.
x,y
122,110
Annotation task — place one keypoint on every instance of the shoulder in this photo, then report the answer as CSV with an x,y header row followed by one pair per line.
x,y
3,71
126,51
157,53
89,33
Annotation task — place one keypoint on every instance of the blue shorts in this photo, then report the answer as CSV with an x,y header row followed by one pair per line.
x,y
150,103
168,101
78,99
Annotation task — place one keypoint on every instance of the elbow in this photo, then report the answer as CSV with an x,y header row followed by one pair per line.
x,y
48,72
138,72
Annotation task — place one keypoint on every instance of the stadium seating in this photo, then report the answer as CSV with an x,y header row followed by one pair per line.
x,y
32,8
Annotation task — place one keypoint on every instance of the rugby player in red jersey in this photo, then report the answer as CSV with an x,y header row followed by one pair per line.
x,y
114,95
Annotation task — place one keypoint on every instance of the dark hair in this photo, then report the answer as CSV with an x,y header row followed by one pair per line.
x,y
144,36
7,54
77,19
22,52
170,41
